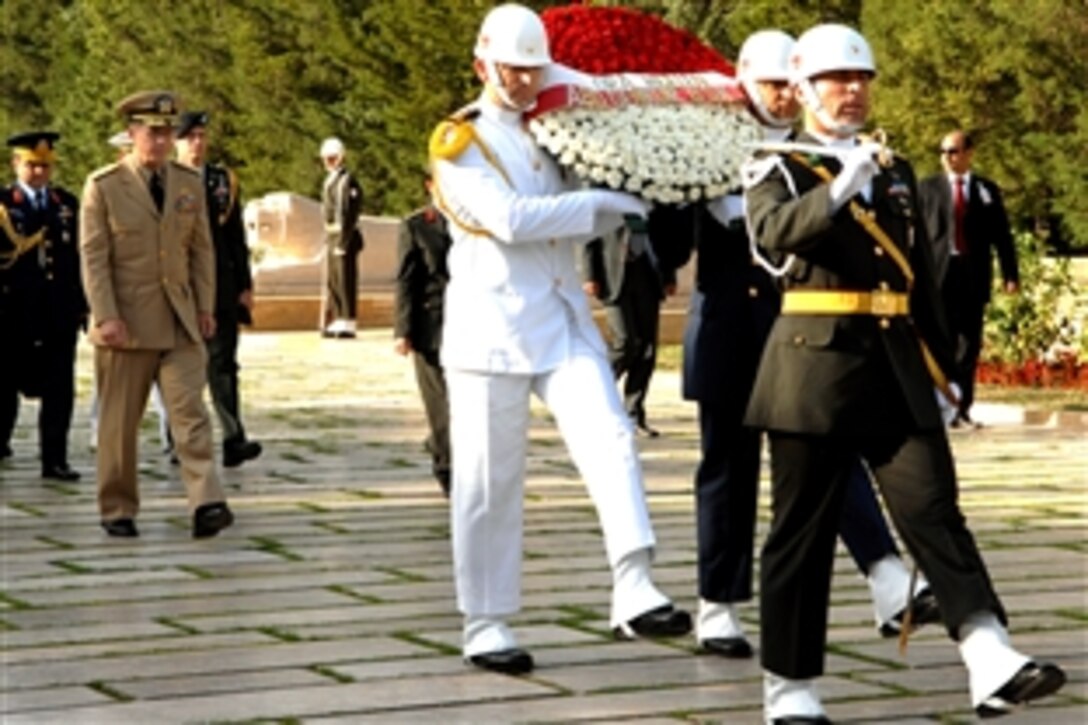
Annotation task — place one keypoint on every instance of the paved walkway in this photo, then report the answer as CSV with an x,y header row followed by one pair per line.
x,y
330,599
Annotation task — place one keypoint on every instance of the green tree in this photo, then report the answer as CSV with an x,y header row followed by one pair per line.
x,y
1012,73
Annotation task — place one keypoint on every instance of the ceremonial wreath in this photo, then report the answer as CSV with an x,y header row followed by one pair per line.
x,y
635,104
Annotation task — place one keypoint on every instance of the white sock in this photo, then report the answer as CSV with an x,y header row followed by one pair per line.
x,y
783,697
486,634
889,580
718,620
633,590
991,661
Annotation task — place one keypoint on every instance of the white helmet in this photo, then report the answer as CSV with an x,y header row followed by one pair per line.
x,y
823,49
827,48
332,146
765,56
515,35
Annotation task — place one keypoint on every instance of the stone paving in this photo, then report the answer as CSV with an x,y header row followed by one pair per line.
x,y
330,600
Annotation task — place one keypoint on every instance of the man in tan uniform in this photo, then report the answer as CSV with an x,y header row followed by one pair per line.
x,y
149,272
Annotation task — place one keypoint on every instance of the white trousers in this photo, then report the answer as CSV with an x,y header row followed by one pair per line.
x,y
489,421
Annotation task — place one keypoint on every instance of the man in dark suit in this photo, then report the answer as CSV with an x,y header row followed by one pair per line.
x,y
41,300
341,204
422,245
233,284
620,270
849,370
966,221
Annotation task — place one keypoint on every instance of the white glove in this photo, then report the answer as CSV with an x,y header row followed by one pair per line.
x,y
858,169
948,410
726,208
617,202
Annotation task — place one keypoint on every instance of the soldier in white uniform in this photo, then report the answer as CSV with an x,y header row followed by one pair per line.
x,y
518,323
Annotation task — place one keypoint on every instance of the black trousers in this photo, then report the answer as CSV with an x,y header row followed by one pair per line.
x,y
965,308
343,284
436,403
809,475
223,378
632,326
57,361
726,492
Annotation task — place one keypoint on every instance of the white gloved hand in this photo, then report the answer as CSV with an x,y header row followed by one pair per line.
x,y
726,208
617,202
858,169
948,410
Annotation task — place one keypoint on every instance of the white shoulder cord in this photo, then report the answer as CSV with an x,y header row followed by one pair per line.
x,y
757,253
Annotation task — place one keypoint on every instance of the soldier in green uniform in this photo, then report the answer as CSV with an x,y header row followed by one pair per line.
x,y
41,300
233,284
850,369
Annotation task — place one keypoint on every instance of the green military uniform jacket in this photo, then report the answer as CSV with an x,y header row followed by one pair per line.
x,y
845,374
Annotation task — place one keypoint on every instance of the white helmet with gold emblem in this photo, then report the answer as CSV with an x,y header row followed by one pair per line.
x,y
823,49
765,56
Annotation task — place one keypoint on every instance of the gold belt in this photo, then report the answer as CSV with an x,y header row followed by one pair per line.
x,y
881,303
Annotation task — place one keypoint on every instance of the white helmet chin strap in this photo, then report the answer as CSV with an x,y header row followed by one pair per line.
x,y
765,116
812,101
495,79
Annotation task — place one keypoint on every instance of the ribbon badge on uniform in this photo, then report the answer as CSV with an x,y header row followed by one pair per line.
x,y
186,203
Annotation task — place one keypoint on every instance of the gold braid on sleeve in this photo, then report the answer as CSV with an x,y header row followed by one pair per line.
x,y
20,245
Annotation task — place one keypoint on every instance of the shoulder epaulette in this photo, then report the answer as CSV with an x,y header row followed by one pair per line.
x,y
104,171
452,136
182,167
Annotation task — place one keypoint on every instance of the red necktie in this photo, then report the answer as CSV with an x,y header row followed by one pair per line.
x,y
959,208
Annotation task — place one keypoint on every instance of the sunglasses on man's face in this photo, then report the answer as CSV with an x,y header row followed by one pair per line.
x,y
951,152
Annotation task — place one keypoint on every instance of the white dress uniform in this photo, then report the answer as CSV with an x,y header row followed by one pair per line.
x,y
518,322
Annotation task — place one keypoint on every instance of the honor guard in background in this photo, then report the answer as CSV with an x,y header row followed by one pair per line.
x,y
735,301
850,369
149,272
423,243
41,300
967,223
341,205
518,324
233,284
622,271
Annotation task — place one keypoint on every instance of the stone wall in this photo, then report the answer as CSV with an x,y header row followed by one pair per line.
x,y
286,233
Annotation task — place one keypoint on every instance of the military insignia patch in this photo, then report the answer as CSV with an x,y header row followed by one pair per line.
x,y
186,203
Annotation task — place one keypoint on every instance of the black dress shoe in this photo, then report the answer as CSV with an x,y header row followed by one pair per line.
x,y
644,429
799,719
734,648
508,661
665,621
60,472
1030,683
924,609
345,335
210,519
235,454
124,528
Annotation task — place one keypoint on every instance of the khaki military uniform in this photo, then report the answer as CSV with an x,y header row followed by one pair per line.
x,y
155,271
